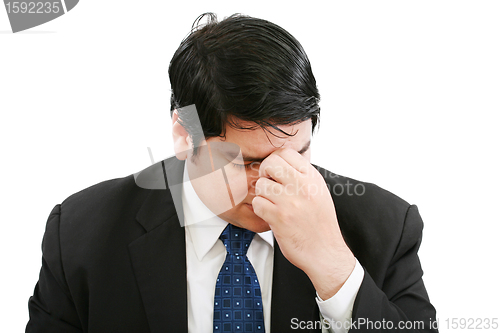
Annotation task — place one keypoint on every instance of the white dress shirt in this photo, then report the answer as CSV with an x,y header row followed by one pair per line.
x,y
205,254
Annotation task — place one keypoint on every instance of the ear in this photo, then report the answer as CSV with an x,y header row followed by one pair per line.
x,y
182,140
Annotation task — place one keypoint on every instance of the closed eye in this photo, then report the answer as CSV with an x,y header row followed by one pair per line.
x,y
246,166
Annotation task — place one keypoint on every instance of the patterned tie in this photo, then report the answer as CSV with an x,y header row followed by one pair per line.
x,y
238,301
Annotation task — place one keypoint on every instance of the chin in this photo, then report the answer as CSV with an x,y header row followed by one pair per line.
x,y
256,225
257,228
252,222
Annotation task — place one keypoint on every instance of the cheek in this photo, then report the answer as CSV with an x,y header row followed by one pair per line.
x,y
213,192
238,184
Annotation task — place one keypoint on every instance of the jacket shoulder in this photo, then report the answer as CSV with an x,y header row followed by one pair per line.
x,y
372,219
101,201
365,197
100,216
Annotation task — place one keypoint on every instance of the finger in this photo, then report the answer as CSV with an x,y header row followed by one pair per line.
x,y
275,167
294,159
264,209
269,189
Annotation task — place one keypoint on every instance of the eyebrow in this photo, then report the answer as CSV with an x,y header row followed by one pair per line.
x,y
257,159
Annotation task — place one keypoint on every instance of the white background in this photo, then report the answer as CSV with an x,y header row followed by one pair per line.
x,y
410,101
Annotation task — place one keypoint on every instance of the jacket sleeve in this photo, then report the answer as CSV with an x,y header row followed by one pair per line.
x,y
51,308
401,303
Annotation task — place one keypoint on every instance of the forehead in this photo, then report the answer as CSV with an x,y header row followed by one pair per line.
x,y
260,143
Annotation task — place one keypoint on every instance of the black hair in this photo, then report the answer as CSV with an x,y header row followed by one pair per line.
x,y
242,68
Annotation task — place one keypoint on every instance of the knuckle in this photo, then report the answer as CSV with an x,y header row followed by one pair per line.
x,y
264,168
272,159
260,183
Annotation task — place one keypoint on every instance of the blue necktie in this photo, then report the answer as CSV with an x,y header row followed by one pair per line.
x,y
238,301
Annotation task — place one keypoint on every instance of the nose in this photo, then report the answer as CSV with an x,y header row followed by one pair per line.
x,y
253,175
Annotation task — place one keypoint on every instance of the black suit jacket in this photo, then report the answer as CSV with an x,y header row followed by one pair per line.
x,y
114,260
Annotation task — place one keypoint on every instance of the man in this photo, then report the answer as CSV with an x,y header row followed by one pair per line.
x,y
145,253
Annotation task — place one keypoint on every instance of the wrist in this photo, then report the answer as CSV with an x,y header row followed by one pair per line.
x,y
331,275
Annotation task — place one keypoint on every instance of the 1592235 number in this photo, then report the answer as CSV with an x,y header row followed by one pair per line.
x,y
472,323
31,7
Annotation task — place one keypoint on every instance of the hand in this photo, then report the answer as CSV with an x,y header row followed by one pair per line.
x,y
293,198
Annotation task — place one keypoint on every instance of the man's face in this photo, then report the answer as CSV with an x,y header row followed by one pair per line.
x,y
241,172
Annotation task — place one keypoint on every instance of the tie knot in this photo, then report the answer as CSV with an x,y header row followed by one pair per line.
x,y
236,239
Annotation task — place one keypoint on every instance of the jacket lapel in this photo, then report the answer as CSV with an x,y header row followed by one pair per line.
x,y
159,256
159,262
293,295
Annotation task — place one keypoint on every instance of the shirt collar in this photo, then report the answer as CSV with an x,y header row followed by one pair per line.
x,y
203,226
